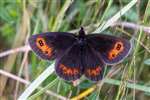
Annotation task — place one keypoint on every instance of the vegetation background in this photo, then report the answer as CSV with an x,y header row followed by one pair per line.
x,y
19,19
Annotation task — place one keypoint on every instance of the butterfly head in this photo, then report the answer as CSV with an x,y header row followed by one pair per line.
x,y
81,33
81,36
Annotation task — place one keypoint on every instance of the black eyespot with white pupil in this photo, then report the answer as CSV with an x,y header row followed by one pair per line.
x,y
118,46
41,43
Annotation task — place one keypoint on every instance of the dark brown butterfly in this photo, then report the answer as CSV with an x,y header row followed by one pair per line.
x,y
80,54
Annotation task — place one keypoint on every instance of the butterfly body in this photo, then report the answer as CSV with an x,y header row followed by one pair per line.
x,y
79,54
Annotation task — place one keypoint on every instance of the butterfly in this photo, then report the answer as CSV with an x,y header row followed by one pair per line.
x,y
81,54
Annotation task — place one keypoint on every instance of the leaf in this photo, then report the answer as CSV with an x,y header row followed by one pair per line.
x,y
93,96
85,84
147,62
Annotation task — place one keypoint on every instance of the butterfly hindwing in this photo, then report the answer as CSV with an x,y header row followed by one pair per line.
x,y
93,65
112,49
69,66
48,45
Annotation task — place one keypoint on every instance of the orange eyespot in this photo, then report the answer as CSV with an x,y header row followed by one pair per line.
x,y
68,70
118,48
94,72
41,44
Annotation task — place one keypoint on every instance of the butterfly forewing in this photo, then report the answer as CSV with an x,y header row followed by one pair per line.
x,y
111,49
48,45
69,65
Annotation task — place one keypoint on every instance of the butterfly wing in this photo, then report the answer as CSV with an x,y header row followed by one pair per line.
x,y
112,49
93,65
69,66
48,45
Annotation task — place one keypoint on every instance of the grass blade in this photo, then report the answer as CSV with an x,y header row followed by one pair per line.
x,y
115,17
37,82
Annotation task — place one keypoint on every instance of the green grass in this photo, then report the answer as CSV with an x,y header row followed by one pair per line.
x,y
22,18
